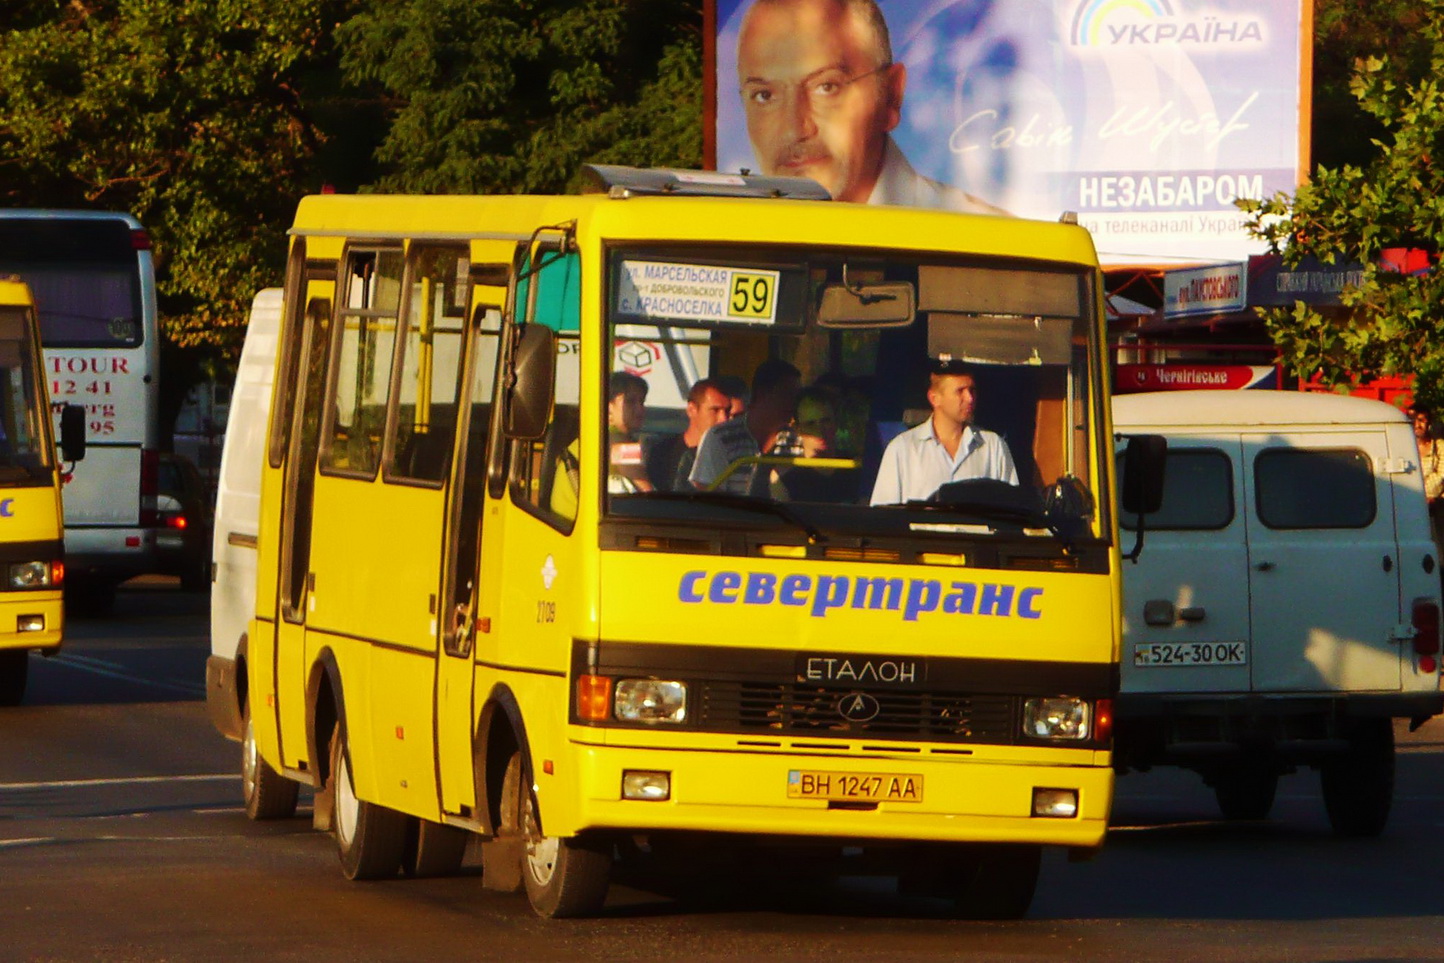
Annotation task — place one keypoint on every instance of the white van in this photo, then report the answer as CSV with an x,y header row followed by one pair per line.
x,y
1286,607
237,521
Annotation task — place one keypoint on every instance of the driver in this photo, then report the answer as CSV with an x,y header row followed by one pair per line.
x,y
945,448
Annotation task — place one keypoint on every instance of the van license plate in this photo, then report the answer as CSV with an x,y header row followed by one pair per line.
x,y
854,786
1154,654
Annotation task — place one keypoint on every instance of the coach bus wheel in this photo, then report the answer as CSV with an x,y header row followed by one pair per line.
x,y
564,877
1358,786
1246,791
268,794
432,849
14,670
369,838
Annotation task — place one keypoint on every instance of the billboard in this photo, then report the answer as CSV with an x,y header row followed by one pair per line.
x,y
1146,117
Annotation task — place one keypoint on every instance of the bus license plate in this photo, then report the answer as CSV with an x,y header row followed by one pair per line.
x,y
1154,654
854,786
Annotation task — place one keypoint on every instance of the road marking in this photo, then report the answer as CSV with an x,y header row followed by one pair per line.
x,y
119,781
113,670
31,841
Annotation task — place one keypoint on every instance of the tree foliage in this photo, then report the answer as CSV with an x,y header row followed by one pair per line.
x,y
514,95
1393,198
208,119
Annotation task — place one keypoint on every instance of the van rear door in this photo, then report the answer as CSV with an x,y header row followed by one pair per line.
x,y
1186,616
1324,562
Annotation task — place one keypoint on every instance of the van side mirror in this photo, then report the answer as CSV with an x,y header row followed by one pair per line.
x,y
533,377
1143,467
1144,463
72,432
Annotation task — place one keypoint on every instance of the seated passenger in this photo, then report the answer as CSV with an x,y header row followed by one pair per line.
x,y
775,386
626,411
816,428
945,448
670,460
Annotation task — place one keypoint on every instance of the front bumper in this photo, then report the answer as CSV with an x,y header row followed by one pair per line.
x,y
746,792
46,604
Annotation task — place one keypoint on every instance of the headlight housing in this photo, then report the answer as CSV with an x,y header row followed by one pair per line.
x,y
1057,717
650,700
32,575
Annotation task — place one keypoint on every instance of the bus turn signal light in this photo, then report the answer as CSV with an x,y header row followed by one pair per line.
x,y
594,698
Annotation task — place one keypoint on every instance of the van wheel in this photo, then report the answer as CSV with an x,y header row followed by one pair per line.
x,y
268,794
984,881
564,877
1246,791
1359,785
369,838
14,672
432,849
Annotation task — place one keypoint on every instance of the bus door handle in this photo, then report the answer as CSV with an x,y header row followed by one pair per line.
x,y
1192,613
1265,566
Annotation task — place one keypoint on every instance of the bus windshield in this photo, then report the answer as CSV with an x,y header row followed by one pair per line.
x,y
853,392
84,276
24,458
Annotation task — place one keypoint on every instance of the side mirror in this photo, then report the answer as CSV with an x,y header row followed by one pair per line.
x,y
1144,462
1143,468
72,432
533,377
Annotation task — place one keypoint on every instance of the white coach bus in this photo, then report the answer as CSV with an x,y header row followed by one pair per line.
x,y
94,286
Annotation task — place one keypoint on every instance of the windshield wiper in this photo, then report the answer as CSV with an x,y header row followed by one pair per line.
x,y
747,503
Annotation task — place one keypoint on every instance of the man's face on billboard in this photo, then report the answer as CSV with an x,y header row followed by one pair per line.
x,y
818,93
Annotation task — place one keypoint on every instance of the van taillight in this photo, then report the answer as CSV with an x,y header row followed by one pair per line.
x,y
1426,627
149,487
140,240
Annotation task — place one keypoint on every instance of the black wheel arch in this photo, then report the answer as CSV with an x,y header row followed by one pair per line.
x,y
500,731
325,707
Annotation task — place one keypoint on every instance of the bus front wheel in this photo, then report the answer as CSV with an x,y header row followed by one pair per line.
x,y
370,839
564,876
14,671
268,794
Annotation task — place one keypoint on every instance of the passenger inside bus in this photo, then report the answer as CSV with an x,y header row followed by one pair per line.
x,y
775,388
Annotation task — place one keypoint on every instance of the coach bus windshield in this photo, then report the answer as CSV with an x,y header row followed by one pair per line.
x,y
851,392
84,274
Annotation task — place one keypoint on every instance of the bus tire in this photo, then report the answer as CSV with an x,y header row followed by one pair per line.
x,y
564,876
370,839
1358,786
1247,790
14,672
983,881
268,794
433,849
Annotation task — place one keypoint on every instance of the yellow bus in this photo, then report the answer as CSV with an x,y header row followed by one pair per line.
x,y
479,612
31,523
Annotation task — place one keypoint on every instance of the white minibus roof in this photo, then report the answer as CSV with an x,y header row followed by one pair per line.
x,y
1244,408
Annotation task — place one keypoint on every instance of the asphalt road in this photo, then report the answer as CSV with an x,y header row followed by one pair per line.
x,y
122,838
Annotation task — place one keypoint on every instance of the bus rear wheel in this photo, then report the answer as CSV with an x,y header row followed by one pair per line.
x,y
563,876
983,881
14,671
370,839
268,794
433,849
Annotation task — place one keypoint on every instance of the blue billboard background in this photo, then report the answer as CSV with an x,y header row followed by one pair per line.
x,y
1147,117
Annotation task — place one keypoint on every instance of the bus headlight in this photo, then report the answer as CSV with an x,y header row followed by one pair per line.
x,y
1056,718
650,700
31,575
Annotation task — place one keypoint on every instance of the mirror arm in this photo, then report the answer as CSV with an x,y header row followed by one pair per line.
x,y
1138,542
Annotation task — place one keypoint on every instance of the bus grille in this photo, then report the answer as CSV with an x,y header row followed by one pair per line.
x,y
811,710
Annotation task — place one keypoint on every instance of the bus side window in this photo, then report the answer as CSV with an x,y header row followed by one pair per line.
x,y
546,472
361,380
429,390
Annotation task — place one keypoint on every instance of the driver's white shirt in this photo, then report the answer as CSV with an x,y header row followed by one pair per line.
x,y
916,464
